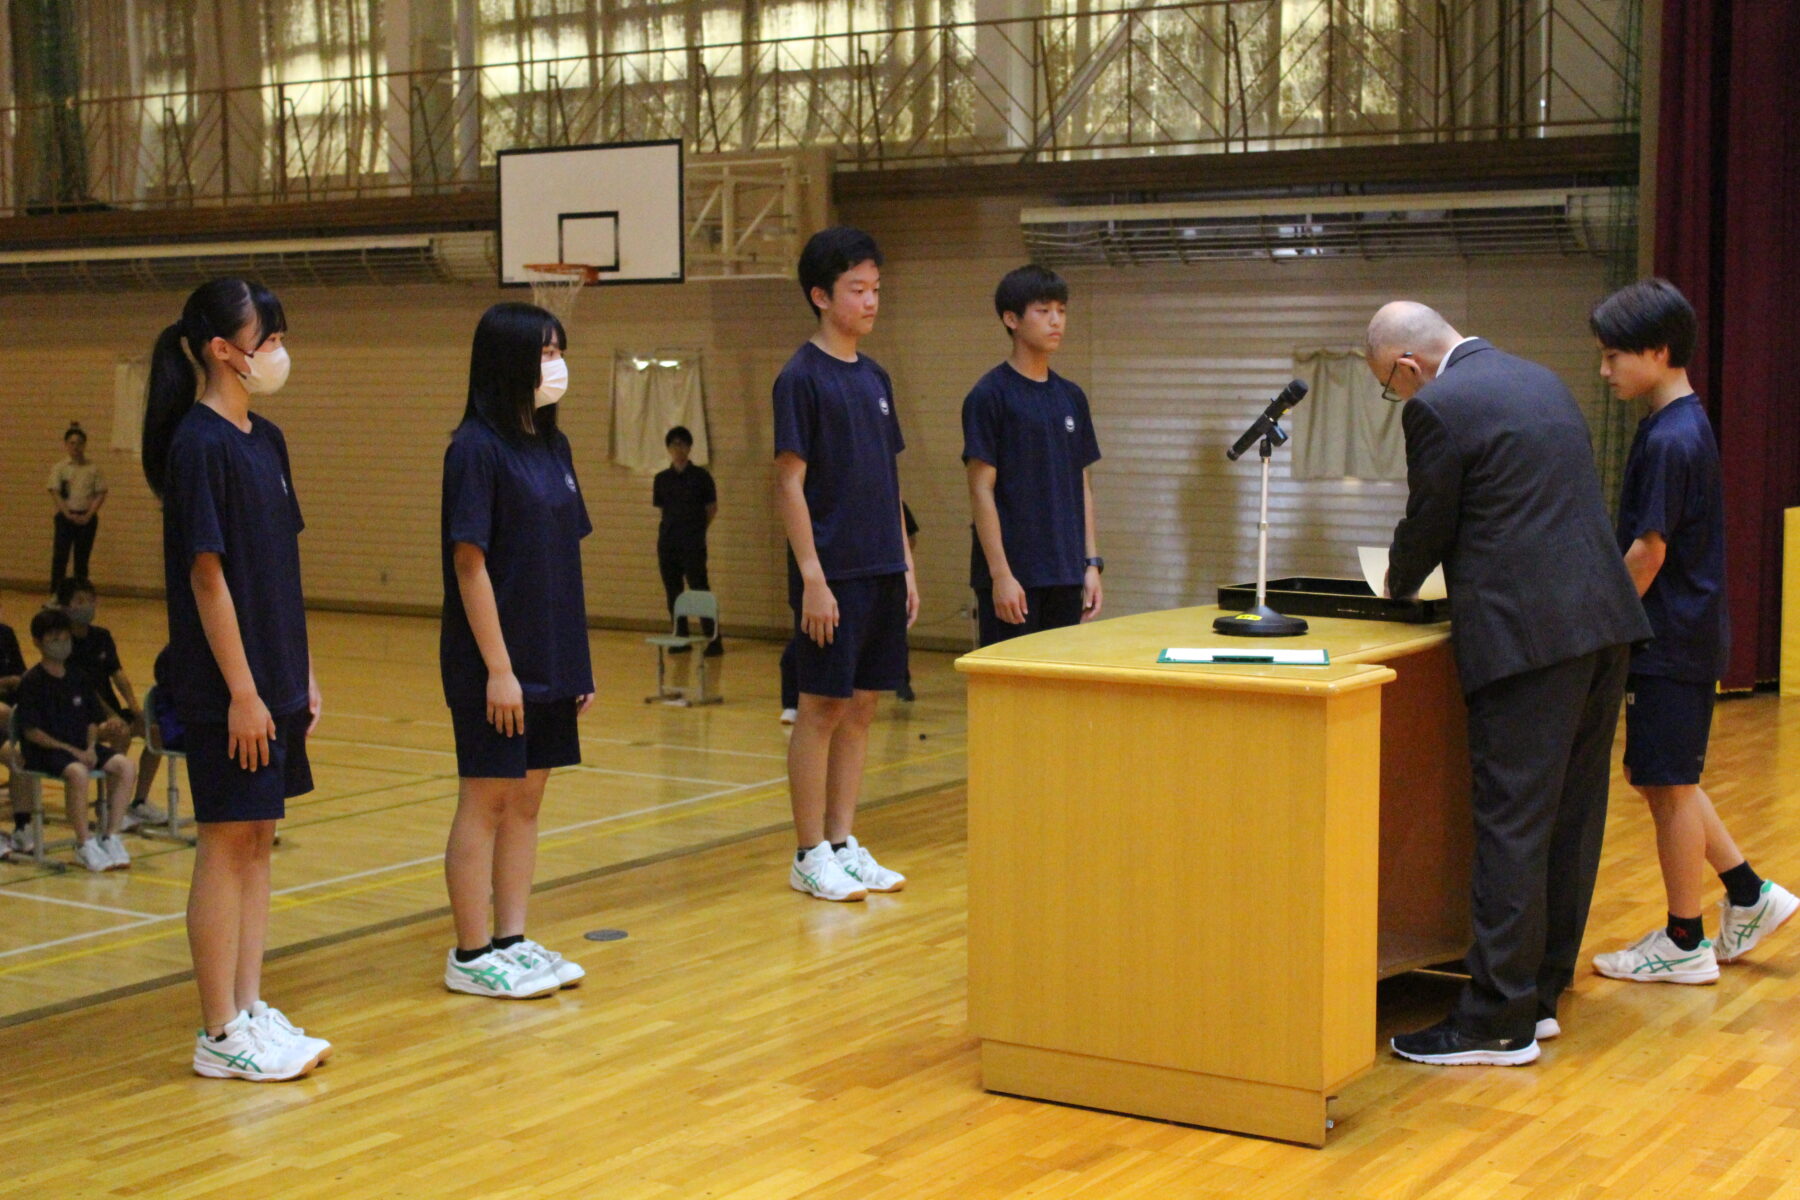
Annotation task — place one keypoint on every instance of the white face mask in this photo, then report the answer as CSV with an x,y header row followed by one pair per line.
x,y
268,371
553,381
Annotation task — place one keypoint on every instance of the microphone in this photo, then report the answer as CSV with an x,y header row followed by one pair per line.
x,y
1291,395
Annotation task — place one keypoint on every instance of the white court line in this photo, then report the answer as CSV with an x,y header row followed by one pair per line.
x,y
605,741
76,937
123,912
452,754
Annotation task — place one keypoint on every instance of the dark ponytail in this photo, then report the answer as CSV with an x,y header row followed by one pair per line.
x,y
222,308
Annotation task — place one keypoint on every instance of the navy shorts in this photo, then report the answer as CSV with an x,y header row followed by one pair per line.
x,y
1667,722
868,652
55,762
483,752
224,791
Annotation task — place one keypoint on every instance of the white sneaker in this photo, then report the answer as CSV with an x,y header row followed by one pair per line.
x,y
93,856
789,715
1655,958
147,813
1740,929
131,822
23,842
818,873
251,1050
114,845
276,1022
498,974
537,957
861,866
1547,1028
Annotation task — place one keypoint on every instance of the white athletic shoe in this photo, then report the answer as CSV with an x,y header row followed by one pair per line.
x,y
274,1020
818,873
1547,1028
498,974
861,866
538,957
1740,929
93,856
131,822
23,842
114,845
789,715
252,1050
1655,958
147,813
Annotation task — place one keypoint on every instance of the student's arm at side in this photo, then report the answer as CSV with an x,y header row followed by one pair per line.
x,y
1092,593
94,508
1009,597
126,692
818,607
62,510
38,737
315,700
505,698
1644,559
249,727
912,582
712,510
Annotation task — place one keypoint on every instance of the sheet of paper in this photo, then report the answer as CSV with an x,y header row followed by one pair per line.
x,y
1375,567
1248,654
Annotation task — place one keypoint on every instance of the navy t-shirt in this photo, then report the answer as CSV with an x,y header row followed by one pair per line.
x,y
63,708
841,418
97,657
683,496
1672,487
231,493
519,503
12,662
1039,438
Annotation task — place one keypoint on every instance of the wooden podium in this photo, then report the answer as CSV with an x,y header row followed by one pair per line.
x,y
1184,881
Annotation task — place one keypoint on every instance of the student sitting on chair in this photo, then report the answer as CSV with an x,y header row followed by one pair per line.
x,y
96,656
12,670
59,734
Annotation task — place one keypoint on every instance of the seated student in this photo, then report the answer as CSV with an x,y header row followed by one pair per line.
x,y
59,735
12,670
96,656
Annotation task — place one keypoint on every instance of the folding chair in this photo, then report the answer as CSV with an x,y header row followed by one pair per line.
x,y
41,849
169,829
693,606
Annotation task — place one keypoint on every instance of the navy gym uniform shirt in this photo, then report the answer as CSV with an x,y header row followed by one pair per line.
x,y
12,662
841,418
63,708
230,493
1672,487
519,503
1039,438
97,657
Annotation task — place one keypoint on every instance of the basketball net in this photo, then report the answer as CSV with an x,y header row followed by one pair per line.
x,y
556,287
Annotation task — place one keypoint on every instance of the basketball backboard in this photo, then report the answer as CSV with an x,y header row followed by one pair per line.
x,y
616,207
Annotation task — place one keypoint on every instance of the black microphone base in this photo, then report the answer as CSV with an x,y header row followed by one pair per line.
x,y
1259,621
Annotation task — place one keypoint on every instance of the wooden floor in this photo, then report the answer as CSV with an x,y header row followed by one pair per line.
x,y
744,1041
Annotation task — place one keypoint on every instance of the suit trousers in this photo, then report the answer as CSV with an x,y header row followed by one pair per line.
x,y
1540,744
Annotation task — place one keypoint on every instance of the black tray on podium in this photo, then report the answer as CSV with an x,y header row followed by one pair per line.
x,y
1313,596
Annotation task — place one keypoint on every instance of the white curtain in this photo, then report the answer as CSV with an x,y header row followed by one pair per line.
x,y
651,395
1344,429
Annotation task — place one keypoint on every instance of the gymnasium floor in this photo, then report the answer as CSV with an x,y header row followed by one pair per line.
x,y
745,1042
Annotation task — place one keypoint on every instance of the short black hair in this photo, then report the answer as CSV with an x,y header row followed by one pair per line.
x,y
48,621
831,252
1021,288
69,587
75,430
1647,315
678,434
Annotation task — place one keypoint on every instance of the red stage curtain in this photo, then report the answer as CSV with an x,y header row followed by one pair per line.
x,y
1728,234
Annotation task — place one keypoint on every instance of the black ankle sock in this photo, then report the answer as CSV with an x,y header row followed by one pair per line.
x,y
21,821
800,854
1743,887
1686,932
836,846
509,941
467,956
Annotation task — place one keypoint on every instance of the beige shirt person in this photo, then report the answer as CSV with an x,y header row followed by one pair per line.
x,y
77,486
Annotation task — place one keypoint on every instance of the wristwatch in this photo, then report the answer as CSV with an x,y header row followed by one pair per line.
x,y
1098,563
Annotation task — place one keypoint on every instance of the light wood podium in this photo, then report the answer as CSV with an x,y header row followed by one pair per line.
x,y
1184,881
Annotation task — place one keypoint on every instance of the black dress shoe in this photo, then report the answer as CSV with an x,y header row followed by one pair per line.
x,y
1447,1046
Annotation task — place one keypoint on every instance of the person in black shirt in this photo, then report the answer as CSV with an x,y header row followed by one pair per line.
x,y
97,656
689,502
1672,533
18,786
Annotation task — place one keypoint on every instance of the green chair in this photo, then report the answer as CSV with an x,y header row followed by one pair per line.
x,y
691,606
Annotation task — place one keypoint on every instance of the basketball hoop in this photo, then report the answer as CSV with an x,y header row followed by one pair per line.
x,y
556,287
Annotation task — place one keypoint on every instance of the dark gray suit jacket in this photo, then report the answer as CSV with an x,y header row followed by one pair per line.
x,y
1503,492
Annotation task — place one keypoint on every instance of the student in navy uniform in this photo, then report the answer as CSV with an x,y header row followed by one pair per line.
x,y
12,670
514,645
689,501
850,573
1672,533
1028,441
240,667
97,656
59,717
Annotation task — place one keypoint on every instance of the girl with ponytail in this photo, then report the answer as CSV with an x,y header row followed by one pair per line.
x,y
240,673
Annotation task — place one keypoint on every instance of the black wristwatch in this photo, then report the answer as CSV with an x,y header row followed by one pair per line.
x,y
1098,563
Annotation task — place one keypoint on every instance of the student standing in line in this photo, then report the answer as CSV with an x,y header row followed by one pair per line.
x,y
78,489
97,656
514,645
1672,533
1028,441
240,665
689,501
850,574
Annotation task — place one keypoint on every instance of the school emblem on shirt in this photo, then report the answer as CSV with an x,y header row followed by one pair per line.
x,y
284,486
1069,424
883,401
570,480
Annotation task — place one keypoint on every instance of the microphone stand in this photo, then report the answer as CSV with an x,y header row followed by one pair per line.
x,y
1261,620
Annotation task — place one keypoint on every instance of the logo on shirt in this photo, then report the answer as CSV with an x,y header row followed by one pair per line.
x,y
883,401
284,486
1069,424
78,702
570,480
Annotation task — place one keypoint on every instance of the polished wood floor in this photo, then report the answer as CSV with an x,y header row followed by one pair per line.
x,y
746,1042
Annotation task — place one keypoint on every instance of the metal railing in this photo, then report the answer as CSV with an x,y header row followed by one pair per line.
x,y
1214,76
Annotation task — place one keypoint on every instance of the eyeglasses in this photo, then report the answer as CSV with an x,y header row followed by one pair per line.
x,y
1387,387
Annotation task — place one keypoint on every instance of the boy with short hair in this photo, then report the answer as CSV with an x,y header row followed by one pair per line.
x,y
59,726
96,656
1028,441
850,573
1672,532
689,501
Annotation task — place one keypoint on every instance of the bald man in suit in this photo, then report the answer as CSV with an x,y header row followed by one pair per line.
x,y
1502,491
